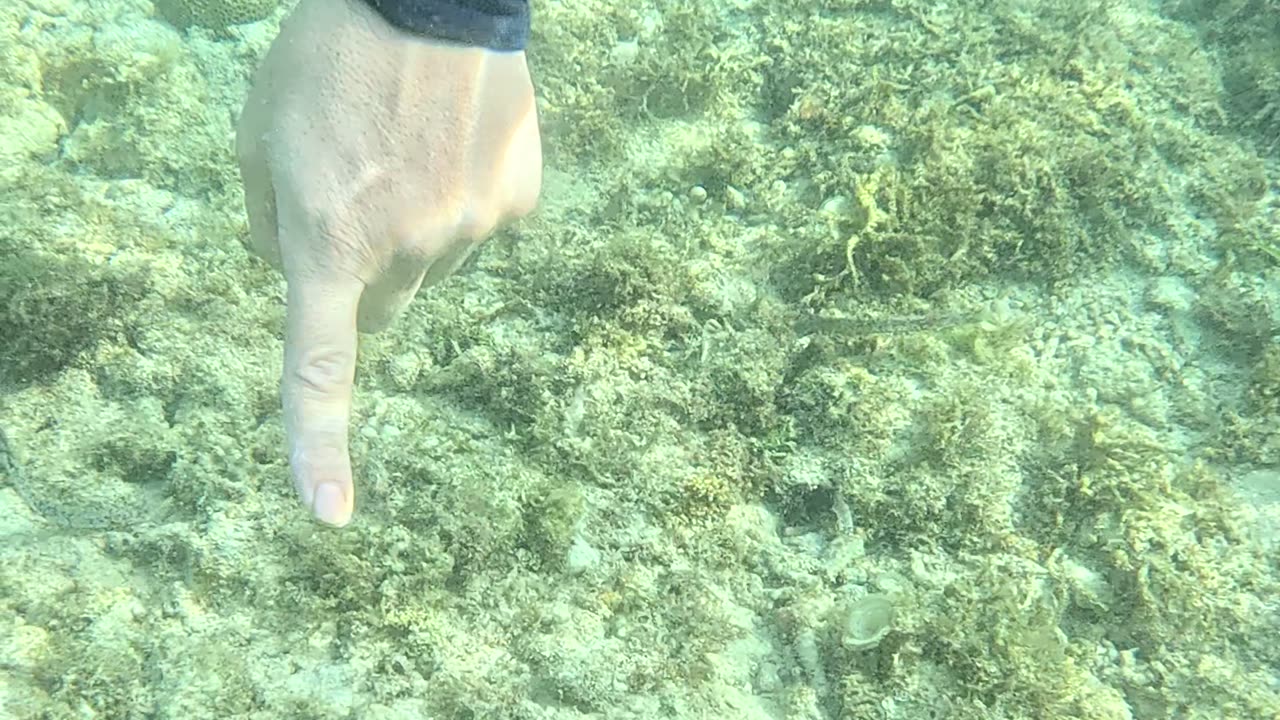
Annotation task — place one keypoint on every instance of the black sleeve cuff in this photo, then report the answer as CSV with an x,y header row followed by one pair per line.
x,y
494,24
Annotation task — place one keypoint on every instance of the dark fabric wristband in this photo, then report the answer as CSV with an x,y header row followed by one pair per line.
x,y
494,24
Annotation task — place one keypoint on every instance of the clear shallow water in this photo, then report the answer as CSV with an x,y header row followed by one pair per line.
x,y
863,360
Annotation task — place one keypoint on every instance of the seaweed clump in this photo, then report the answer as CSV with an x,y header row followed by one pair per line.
x,y
57,310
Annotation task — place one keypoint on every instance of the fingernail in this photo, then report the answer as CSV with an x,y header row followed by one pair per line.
x,y
330,505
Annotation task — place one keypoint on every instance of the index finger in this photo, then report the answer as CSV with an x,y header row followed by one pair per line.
x,y
319,369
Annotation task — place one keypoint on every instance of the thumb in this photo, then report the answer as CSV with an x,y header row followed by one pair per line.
x,y
319,367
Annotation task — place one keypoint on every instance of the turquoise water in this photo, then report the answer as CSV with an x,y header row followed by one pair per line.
x,y
863,360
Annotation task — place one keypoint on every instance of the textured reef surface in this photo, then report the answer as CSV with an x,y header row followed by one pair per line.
x,y
865,360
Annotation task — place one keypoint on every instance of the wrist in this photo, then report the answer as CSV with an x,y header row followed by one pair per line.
x,y
494,24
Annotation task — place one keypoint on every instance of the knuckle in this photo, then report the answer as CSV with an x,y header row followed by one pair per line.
x,y
476,226
324,373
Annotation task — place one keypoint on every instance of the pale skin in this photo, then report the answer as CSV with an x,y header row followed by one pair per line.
x,y
373,161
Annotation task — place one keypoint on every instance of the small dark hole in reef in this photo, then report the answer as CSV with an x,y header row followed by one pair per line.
x,y
810,509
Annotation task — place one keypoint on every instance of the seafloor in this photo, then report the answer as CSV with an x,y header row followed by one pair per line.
x,y
894,359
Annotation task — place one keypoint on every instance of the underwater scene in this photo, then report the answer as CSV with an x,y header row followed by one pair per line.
x,y
862,359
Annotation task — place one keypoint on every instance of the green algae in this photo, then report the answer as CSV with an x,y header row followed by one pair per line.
x,y
970,308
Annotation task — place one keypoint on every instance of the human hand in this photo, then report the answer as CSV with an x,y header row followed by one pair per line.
x,y
373,162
